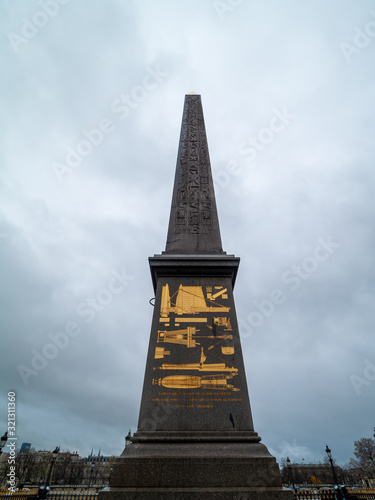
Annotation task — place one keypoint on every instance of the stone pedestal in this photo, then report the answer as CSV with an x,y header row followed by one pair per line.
x,y
187,466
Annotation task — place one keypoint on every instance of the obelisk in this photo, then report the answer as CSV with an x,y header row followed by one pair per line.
x,y
195,437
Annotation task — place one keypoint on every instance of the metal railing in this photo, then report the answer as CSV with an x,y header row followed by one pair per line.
x,y
54,494
334,494
73,494
20,495
92,493
314,495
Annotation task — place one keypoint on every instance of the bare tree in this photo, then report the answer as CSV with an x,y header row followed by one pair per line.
x,y
364,451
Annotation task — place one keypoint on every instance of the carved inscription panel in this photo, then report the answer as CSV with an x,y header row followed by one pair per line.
x,y
195,377
194,363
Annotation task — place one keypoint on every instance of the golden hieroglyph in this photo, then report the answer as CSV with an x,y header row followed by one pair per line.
x,y
186,336
221,293
222,321
219,382
192,320
190,300
189,307
227,349
200,366
160,352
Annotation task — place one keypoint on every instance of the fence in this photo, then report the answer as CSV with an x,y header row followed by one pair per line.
x,y
315,495
91,494
362,494
76,494
19,495
349,494
55,494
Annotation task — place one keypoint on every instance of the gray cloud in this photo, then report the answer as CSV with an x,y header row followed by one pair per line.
x,y
61,240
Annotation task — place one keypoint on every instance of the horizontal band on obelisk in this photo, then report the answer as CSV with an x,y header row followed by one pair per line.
x,y
194,265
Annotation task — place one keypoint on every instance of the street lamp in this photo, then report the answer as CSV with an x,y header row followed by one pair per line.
x,y
91,472
3,442
43,490
53,460
290,471
128,439
329,454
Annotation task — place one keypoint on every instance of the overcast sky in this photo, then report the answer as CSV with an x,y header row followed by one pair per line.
x,y
92,99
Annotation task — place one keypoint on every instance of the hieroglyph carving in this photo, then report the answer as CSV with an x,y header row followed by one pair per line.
x,y
193,211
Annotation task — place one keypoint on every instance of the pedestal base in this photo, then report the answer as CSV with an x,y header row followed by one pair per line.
x,y
230,468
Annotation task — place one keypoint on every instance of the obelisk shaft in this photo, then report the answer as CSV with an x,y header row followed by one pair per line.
x,y
193,225
195,377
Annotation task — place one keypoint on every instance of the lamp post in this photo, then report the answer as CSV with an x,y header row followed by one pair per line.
x,y
128,439
329,454
290,471
43,490
53,460
91,472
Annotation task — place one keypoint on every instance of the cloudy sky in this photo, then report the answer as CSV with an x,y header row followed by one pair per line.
x,y
92,98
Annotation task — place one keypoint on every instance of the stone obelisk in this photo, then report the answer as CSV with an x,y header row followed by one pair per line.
x,y
195,437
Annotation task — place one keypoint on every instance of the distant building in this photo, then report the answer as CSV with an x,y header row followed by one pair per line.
x,y
97,458
68,469
101,458
98,469
25,447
